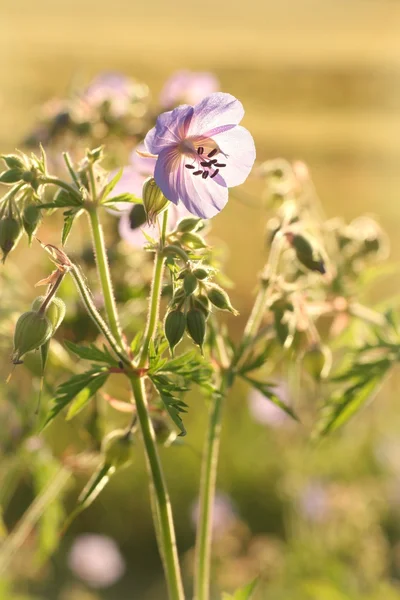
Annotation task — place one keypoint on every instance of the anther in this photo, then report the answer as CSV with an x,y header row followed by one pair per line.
x,y
210,154
220,165
200,150
215,173
205,164
189,166
205,174
198,172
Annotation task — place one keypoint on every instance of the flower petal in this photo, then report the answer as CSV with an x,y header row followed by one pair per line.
x,y
218,110
171,128
237,145
203,197
169,173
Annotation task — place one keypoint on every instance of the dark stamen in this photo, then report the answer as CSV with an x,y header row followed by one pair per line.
x,y
213,161
200,150
205,175
198,172
220,165
205,164
189,166
210,154
215,173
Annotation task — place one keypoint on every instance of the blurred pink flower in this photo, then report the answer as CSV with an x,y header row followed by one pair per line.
x,y
188,87
264,411
224,513
313,501
96,560
113,88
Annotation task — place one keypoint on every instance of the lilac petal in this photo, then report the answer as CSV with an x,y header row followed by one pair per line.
x,y
170,129
144,165
239,153
215,111
169,173
203,197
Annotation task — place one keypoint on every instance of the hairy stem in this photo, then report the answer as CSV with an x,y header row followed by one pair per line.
x,y
104,275
165,526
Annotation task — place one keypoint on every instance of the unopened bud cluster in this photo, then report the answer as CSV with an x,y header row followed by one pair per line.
x,y
194,294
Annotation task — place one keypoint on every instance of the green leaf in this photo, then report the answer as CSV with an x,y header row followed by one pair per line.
x,y
92,489
125,197
111,185
92,353
83,397
68,390
69,217
265,388
173,405
342,406
244,593
256,361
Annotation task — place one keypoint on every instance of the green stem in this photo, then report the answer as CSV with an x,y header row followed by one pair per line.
x,y
154,297
165,526
212,444
104,274
207,494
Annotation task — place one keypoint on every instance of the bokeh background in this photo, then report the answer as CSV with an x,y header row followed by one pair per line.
x,y
320,82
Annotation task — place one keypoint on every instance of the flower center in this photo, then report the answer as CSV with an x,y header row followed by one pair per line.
x,y
209,165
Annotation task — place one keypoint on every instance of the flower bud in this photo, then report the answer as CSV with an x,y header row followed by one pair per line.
x,y
220,299
317,361
11,176
154,200
174,328
188,224
306,252
13,161
55,311
178,297
201,302
10,230
31,219
193,241
196,326
201,273
31,331
189,283
117,448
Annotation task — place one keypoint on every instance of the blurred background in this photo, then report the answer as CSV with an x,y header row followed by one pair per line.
x,y
320,82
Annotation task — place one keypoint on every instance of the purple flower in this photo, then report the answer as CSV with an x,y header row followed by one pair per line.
x,y
187,87
201,151
313,501
223,513
132,224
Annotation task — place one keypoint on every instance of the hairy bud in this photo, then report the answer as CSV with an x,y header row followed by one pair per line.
x,y
10,230
196,326
117,448
189,283
55,311
31,331
220,299
307,252
31,219
13,161
189,224
174,328
154,200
